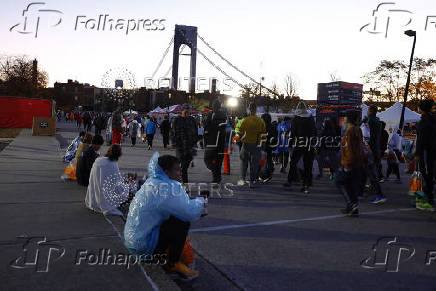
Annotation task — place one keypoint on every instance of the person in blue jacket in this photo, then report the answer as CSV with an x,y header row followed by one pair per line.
x,y
150,130
160,215
283,129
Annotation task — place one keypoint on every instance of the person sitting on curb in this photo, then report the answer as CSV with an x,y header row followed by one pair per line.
x,y
107,188
160,215
87,159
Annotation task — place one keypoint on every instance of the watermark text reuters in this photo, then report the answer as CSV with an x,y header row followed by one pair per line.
x,y
104,257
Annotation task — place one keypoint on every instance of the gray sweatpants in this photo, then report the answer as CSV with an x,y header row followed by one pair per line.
x,y
250,153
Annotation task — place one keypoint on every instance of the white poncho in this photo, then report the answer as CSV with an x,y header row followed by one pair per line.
x,y
106,189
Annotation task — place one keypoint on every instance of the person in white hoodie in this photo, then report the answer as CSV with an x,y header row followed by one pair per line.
x,y
107,188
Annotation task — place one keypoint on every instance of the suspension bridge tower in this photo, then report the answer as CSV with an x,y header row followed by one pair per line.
x,y
185,35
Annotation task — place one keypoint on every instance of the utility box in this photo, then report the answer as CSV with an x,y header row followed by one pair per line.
x,y
44,126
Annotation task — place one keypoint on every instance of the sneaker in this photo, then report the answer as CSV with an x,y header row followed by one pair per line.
x,y
240,182
266,179
351,210
149,147
183,270
306,190
253,184
378,199
424,206
382,180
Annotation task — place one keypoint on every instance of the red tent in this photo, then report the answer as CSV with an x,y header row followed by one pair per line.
x,y
18,112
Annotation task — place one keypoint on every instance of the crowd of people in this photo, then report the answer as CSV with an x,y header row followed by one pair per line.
x,y
353,154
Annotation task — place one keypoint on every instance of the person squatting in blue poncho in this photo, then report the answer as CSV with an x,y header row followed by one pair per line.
x,y
160,215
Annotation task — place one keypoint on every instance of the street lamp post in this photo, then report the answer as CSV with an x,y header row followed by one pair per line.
x,y
406,90
169,100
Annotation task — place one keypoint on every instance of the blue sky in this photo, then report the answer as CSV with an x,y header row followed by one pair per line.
x,y
309,39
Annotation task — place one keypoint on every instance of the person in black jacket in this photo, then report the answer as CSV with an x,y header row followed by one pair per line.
x,y
303,139
426,152
86,160
165,128
269,146
214,140
99,124
375,129
184,139
384,138
328,149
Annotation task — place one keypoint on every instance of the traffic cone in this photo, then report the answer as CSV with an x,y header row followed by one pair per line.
x,y
226,160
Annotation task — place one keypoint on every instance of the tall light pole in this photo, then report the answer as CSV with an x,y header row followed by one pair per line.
x,y
406,90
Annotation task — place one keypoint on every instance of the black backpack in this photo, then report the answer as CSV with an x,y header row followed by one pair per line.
x,y
135,128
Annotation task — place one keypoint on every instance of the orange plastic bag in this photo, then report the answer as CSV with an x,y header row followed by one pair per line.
x,y
416,184
70,172
187,256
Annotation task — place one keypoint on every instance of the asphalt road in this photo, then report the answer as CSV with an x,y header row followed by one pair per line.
x,y
268,238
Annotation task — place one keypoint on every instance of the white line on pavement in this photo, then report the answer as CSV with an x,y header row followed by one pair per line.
x,y
222,227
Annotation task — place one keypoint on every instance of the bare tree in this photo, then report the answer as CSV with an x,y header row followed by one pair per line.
x,y
388,78
290,85
16,74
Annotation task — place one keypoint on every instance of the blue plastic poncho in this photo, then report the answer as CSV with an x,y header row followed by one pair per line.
x,y
157,199
72,149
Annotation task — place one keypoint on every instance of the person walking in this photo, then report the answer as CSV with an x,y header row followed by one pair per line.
x,y
214,140
117,127
327,151
425,155
87,121
252,132
269,146
303,132
134,131
283,131
150,131
394,155
165,128
375,129
184,139
384,138
99,124
352,159
370,170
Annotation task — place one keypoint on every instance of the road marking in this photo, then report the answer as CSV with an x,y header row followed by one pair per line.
x,y
215,228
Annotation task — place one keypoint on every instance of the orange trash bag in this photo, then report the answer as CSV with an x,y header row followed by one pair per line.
x,y
187,256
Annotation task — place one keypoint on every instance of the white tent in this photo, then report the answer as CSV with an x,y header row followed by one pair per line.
x,y
392,115
156,110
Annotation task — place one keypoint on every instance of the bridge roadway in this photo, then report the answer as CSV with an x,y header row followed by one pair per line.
x,y
266,238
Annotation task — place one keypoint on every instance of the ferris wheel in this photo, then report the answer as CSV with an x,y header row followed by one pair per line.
x,y
118,83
